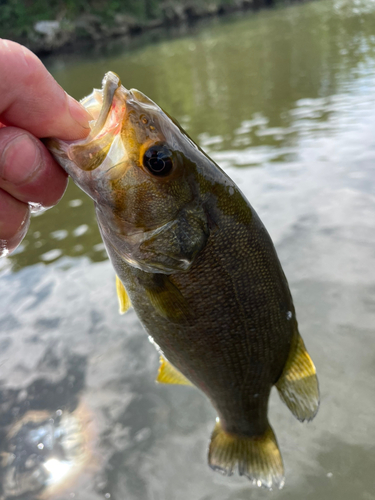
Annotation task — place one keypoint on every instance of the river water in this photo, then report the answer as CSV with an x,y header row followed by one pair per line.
x,y
284,101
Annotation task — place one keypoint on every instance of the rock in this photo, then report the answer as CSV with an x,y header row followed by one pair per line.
x,y
50,35
212,9
89,24
47,28
173,14
125,20
154,23
193,12
128,23
247,4
118,30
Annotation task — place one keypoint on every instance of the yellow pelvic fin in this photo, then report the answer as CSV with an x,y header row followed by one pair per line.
x,y
168,374
298,385
123,297
257,457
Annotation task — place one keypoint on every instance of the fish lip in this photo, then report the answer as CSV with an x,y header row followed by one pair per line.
x,y
108,108
103,98
99,103
111,82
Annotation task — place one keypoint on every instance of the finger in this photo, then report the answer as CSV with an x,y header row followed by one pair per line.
x,y
14,222
32,99
27,170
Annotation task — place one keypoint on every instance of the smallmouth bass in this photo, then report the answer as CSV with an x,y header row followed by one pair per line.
x,y
198,266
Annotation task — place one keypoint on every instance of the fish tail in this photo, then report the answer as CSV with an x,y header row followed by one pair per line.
x,y
298,385
257,457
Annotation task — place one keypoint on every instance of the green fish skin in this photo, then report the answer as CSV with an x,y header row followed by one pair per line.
x,y
199,269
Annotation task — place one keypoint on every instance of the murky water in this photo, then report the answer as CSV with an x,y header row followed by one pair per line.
x,y
284,101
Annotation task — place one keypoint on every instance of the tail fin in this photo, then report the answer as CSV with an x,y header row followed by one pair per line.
x,y
258,457
298,385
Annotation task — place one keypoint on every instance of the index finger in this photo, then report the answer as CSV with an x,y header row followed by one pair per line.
x,y
31,98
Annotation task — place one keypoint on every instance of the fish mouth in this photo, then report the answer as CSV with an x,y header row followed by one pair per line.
x,y
112,141
103,146
99,102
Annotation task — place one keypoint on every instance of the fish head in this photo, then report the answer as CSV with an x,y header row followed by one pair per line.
x,y
138,166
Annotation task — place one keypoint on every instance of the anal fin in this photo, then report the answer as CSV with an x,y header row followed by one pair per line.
x,y
168,374
257,457
298,385
123,297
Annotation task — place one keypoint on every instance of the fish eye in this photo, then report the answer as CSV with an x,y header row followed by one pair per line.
x,y
158,160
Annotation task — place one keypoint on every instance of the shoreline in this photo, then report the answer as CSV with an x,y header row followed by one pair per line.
x,y
62,36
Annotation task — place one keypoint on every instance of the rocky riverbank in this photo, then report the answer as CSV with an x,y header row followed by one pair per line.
x,y
56,35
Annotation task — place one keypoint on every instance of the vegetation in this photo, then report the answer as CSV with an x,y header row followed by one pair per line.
x,y
71,20
18,16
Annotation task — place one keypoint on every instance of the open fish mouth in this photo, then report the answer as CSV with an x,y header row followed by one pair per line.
x,y
99,102
103,145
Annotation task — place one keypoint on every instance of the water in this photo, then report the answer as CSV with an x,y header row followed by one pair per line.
x,y
284,101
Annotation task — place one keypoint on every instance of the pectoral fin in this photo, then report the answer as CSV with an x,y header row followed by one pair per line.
x,y
167,299
168,374
123,297
298,385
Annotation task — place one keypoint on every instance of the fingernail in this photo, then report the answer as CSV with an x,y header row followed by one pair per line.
x,y
78,113
20,159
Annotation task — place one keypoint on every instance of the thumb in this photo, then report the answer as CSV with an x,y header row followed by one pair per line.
x,y
31,98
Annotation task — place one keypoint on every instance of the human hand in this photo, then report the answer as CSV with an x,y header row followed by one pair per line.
x,y
32,105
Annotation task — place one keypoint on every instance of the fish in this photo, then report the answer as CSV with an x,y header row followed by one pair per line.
x,y
196,263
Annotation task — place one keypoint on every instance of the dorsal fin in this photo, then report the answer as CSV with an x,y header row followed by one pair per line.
x,y
168,374
123,297
298,385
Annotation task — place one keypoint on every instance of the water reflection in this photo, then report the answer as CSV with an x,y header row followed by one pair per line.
x,y
44,451
46,430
